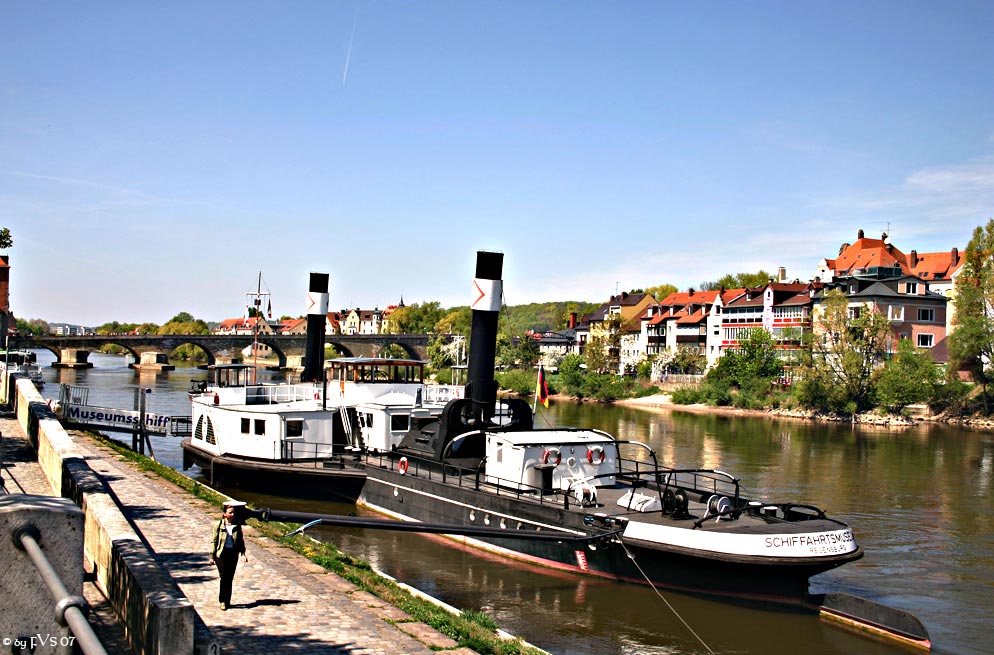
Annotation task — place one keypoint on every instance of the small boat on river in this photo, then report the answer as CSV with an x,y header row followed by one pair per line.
x,y
22,362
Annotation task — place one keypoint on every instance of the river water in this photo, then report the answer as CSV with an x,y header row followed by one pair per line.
x,y
920,502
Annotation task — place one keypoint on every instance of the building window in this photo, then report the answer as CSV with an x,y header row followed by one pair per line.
x,y
912,288
926,315
854,312
925,340
895,312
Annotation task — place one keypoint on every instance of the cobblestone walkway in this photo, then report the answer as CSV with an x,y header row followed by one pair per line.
x,y
282,602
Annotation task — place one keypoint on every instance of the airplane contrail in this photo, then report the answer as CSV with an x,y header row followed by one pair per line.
x,y
348,54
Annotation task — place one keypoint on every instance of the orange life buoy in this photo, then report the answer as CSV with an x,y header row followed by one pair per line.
x,y
552,456
595,455
402,465
317,396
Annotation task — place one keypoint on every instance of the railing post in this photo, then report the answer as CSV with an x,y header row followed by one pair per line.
x,y
41,545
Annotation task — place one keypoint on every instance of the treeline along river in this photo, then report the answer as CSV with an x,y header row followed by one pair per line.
x,y
920,502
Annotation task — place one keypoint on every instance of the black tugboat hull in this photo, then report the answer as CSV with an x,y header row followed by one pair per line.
x,y
418,499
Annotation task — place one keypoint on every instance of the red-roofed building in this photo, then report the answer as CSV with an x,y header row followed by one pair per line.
x,y
878,260
783,309
244,325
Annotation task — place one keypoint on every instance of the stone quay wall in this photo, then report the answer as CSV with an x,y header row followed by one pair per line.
x,y
158,618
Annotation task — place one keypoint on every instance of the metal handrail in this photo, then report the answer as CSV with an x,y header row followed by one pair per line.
x,y
69,610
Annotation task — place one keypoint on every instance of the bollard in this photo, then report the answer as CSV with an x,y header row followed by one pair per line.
x,y
41,546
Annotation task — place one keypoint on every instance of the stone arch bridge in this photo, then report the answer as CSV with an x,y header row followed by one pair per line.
x,y
73,351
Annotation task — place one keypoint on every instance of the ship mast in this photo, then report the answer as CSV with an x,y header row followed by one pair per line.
x,y
254,299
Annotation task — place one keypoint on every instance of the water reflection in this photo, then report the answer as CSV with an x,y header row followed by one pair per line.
x,y
919,501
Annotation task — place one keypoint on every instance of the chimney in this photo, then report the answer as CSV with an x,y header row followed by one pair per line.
x,y
859,235
572,320
782,274
487,290
955,256
914,258
317,313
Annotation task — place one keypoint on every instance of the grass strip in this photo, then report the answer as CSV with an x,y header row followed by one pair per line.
x,y
471,629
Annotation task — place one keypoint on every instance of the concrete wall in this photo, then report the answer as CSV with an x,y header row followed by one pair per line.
x,y
158,618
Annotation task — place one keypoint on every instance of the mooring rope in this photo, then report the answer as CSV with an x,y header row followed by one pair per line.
x,y
663,598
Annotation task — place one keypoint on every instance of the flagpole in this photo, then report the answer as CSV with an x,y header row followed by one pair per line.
x,y
538,382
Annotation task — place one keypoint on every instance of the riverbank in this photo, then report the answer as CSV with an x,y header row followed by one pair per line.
x,y
917,414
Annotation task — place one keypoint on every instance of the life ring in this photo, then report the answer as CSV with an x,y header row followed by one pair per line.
x,y
317,396
402,466
595,455
552,456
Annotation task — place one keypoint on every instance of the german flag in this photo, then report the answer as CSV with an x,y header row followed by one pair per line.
x,y
541,388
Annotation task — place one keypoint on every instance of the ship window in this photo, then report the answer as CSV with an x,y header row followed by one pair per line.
x,y
210,432
246,425
199,432
400,422
295,427
260,426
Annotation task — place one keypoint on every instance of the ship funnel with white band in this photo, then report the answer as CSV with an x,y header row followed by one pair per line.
x,y
485,301
317,315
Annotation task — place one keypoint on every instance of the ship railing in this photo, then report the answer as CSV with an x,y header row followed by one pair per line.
x,y
641,469
439,394
472,478
275,394
180,426
296,452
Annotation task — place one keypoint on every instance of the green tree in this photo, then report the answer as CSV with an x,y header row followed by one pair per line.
x,y
182,317
738,280
456,321
688,360
6,241
571,374
910,377
660,291
971,344
751,369
416,319
596,355
838,372
185,323
439,353
35,327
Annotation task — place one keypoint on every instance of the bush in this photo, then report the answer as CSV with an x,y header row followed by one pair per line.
x,y
687,396
518,381
955,397
648,391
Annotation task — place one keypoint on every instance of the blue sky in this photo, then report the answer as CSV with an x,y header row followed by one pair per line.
x,y
155,157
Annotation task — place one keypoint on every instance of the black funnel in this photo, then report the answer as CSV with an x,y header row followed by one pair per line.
x,y
317,315
485,302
